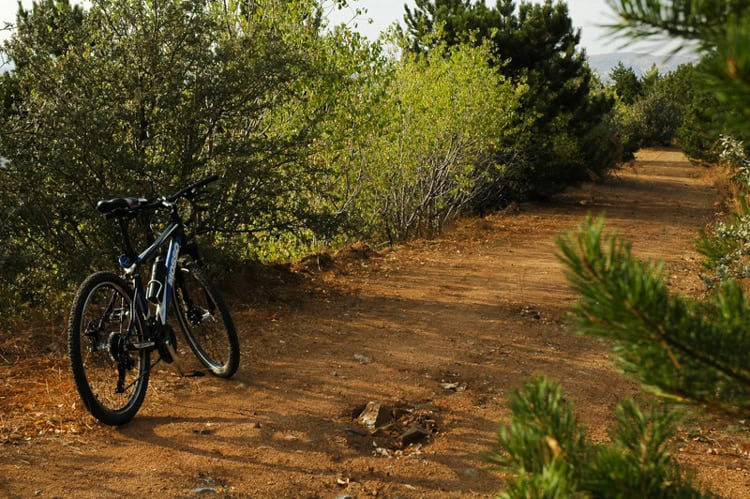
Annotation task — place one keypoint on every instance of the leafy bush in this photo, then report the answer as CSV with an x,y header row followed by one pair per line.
x,y
700,129
659,116
726,247
138,97
442,120
568,137
630,130
652,116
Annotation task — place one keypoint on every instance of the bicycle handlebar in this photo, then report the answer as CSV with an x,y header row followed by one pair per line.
x,y
120,207
190,190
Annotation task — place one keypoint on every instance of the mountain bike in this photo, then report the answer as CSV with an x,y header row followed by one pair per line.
x,y
116,323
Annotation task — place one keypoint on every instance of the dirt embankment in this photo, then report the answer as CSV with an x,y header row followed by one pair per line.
x,y
373,373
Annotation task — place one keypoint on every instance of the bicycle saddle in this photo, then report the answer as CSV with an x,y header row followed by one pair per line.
x,y
109,206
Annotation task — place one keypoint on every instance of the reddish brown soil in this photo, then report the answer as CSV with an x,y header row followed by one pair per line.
x,y
438,331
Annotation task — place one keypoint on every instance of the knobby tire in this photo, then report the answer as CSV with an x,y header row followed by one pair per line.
x,y
111,380
206,322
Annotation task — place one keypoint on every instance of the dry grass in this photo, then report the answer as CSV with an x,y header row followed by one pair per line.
x,y
38,396
729,191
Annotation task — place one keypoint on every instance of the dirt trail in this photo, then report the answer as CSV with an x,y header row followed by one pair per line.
x,y
436,332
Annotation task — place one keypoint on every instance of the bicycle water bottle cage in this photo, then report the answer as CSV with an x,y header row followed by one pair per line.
x,y
119,207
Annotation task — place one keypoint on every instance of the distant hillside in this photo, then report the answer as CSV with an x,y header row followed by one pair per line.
x,y
603,63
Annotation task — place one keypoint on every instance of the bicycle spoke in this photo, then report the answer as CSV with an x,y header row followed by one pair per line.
x,y
206,323
110,376
111,332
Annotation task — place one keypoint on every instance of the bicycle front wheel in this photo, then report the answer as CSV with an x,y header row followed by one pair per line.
x,y
111,376
205,321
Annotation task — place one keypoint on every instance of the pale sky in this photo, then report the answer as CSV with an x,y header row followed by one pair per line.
x,y
586,14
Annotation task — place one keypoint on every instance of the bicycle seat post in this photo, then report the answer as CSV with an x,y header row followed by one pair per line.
x,y
127,246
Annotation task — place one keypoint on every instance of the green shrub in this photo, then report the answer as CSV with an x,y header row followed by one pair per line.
x,y
442,121
659,116
726,246
133,97
545,450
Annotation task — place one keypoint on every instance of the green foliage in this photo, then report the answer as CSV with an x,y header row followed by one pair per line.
x,y
650,79
728,72
628,123
453,22
638,462
701,128
434,152
538,46
659,116
361,78
137,97
685,349
726,247
721,30
543,432
626,83
52,24
701,113
545,448
655,110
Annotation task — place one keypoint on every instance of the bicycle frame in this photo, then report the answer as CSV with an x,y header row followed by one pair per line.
x,y
173,236
118,321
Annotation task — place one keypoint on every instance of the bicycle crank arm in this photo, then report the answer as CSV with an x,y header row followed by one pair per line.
x,y
176,360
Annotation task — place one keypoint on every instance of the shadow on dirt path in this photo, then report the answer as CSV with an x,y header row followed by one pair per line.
x,y
436,332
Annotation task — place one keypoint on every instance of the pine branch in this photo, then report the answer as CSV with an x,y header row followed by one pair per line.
x,y
545,449
687,19
696,350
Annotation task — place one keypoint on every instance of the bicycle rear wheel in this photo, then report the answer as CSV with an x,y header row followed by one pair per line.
x,y
110,375
205,321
